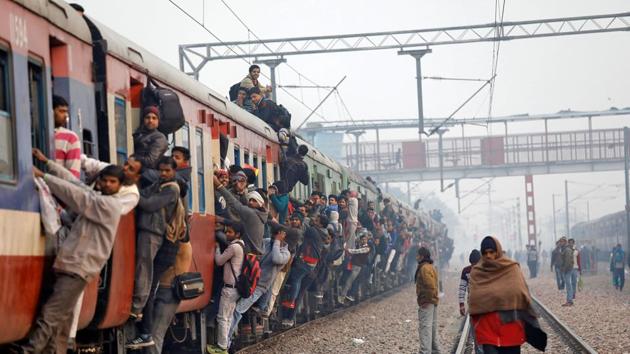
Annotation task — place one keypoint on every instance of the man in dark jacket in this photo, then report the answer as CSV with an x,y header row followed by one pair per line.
x,y
293,169
306,260
155,208
149,144
265,108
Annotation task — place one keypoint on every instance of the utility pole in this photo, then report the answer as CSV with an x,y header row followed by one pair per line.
x,y
518,217
441,157
566,207
626,159
418,54
555,229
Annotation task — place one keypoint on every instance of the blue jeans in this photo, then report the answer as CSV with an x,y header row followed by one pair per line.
x,y
241,307
164,310
559,279
297,273
619,277
570,282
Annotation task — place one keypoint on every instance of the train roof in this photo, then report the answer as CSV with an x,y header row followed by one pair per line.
x,y
60,14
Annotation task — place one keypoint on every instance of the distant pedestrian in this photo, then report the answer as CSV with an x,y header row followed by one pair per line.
x,y
566,266
427,293
617,267
532,261
473,258
556,263
500,303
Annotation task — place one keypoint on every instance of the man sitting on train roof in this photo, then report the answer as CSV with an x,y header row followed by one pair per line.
x,y
264,108
82,254
251,80
149,144
242,100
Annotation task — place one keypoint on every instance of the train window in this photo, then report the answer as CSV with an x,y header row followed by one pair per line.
x,y
186,144
237,155
201,192
246,157
7,155
255,164
186,136
88,143
264,173
120,123
37,98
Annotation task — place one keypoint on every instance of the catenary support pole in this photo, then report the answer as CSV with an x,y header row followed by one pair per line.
x,y
566,208
417,55
272,64
626,155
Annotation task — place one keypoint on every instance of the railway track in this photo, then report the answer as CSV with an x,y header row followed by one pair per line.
x,y
278,336
570,339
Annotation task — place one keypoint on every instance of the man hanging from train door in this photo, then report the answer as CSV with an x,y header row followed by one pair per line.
x,y
83,253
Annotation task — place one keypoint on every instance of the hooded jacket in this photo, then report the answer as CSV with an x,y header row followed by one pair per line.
x,y
275,257
334,224
253,221
149,146
90,241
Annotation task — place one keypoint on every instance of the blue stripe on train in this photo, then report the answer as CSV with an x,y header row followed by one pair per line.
x,y
22,195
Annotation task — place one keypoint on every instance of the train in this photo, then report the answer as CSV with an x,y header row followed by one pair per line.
x,y
50,46
603,233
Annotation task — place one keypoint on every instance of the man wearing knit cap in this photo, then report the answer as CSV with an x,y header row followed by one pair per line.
x,y
149,144
427,296
253,215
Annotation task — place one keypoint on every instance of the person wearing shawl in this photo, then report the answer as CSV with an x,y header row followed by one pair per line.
x,y
500,303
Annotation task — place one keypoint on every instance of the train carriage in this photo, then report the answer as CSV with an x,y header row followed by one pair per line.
x,y
48,46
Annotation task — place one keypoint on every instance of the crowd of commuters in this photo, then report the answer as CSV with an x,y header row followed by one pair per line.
x,y
321,252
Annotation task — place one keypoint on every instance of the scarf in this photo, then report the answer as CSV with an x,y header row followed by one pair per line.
x,y
497,285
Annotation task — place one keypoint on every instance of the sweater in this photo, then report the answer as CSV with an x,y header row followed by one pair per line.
x,y
253,221
68,150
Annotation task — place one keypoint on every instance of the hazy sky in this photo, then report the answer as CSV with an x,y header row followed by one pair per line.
x,y
587,72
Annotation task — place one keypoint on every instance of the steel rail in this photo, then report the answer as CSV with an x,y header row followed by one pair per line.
x,y
577,344
464,337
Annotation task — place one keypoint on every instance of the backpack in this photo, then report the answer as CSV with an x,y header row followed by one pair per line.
x,y
176,227
247,281
618,259
171,112
284,115
234,91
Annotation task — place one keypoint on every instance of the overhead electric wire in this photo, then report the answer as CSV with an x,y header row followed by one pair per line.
x,y
496,47
222,42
